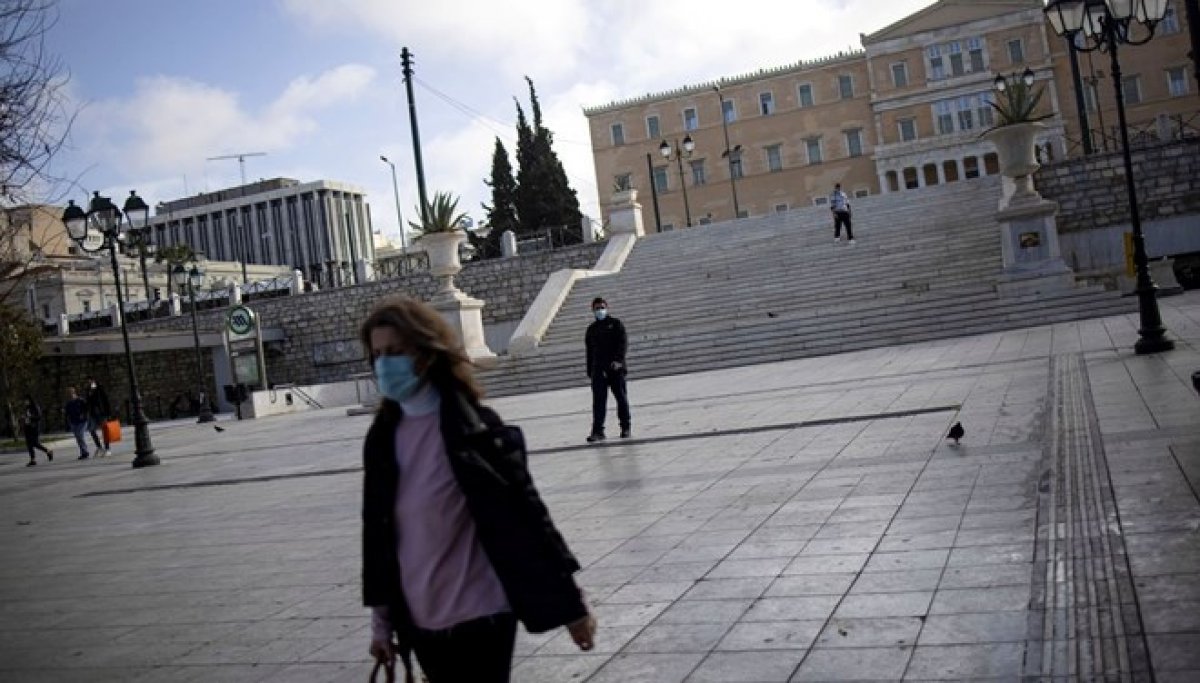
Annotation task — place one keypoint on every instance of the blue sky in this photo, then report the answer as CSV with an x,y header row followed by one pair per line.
x,y
164,84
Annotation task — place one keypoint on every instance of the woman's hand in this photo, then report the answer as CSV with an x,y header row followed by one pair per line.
x,y
383,651
583,632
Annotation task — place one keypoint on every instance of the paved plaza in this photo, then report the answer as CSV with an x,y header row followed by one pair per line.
x,y
797,521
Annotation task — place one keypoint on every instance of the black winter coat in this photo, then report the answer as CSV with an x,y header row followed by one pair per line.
x,y
529,555
97,403
606,343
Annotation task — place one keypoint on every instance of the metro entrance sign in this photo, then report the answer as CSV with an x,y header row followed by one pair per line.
x,y
241,321
243,344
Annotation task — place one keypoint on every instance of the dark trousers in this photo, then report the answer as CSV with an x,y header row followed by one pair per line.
x,y
34,440
602,383
841,218
476,651
94,425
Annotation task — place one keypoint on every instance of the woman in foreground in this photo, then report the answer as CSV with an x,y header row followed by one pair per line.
x,y
457,544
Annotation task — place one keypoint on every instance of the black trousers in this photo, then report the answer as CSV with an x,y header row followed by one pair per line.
x,y
841,218
33,440
602,383
476,651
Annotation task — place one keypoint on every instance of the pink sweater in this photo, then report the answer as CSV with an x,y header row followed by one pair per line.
x,y
445,574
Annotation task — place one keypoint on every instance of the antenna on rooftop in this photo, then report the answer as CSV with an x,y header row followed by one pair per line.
x,y
241,160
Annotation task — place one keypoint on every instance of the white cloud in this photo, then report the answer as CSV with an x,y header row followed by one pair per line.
x,y
171,125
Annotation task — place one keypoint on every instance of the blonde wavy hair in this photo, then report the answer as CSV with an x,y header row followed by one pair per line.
x,y
437,351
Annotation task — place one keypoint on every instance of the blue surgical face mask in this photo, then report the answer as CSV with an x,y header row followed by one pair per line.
x,y
601,313
396,376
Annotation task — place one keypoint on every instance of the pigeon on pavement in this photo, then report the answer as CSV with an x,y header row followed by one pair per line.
x,y
956,432
219,429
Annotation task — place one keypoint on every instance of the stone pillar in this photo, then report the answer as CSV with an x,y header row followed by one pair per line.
x,y
625,217
585,227
941,172
920,169
508,244
176,304
883,185
235,295
1029,247
115,312
297,282
464,314
64,325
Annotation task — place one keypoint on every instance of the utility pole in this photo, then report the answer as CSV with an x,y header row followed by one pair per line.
x,y
396,192
653,193
407,70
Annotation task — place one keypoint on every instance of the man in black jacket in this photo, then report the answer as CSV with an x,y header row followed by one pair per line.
x,y
98,411
606,346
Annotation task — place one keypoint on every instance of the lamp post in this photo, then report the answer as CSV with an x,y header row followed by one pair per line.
x,y
99,228
729,152
1106,25
396,192
194,279
666,150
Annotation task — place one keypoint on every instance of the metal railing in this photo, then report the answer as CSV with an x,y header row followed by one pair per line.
x,y
1165,128
400,266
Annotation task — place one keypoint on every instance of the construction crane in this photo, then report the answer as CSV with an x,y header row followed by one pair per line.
x,y
241,160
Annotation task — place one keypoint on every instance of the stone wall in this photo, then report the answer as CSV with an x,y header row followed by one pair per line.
x,y
1091,190
163,377
321,328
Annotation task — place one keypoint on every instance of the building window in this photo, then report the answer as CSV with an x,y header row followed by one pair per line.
x,y
854,142
45,310
1016,52
690,120
820,201
766,103
661,179
862,192
729,111
937,68
1177,81
975,54
985,111
668,227
744,213
1170,21
781,208
813,147
966,118
698,175
705,220
618,134
908,129
775,158
653,131
804,94
623,182
87,305
957,67
846,86
900,74
1132,88
1089,97
735,164
944,114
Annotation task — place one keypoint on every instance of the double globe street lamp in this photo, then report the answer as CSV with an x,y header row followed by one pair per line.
x,y
194,279
103,226
1106,25
1001,82
666,150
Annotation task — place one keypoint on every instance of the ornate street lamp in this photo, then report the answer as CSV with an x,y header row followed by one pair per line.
x,y
1001,82
193,280
665,150
101,227
1106,25
396,192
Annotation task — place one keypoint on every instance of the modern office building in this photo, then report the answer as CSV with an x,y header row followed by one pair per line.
x,y
905,111
322,228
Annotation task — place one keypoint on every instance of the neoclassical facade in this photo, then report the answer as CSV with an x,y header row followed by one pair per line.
x,y
905,111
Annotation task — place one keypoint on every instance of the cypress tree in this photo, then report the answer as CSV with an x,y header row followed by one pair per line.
x,y
502,212
544,195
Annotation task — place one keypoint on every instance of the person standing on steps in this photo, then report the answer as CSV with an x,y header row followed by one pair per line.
x,y
98,411
839,204
77,419
31,423
606,347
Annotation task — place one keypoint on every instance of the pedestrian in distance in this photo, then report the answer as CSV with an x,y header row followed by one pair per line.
x,y
839,204
457,544
99,410
77,420
31,426
606,346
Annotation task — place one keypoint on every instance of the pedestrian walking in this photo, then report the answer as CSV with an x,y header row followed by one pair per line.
x,y
99,410
457,544
839,204
76,411
606,346
31,426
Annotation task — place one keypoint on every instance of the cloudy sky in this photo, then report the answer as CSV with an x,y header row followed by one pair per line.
x,y
315,84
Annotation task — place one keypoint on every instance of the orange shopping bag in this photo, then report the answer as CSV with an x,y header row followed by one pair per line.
x,y
112,431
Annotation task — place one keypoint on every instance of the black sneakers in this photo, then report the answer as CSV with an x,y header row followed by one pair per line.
x,y
594,437
625,434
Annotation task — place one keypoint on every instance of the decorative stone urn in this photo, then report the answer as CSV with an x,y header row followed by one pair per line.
x,y
1018,158
444,264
